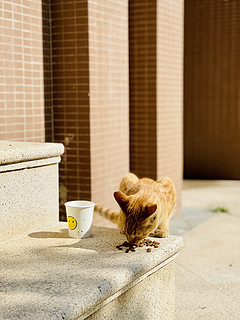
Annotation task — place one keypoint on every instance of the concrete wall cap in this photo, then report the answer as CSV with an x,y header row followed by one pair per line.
x,y
47,275
13,152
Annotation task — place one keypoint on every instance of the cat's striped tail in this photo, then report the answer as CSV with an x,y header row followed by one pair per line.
x,y
107,213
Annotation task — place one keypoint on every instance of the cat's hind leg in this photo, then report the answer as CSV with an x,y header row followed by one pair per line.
x,y
127,182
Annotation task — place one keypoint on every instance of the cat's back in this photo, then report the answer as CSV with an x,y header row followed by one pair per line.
x,y
162,188
166,189
144,186
164,185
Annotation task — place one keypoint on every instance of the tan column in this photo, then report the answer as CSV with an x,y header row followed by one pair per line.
x,y
109,96
170,17
22,114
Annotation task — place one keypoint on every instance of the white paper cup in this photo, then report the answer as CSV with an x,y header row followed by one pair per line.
x,y
79,218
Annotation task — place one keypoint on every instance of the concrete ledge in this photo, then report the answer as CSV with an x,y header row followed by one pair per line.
x,y
150,299
12,151
29,164
47,275
29,196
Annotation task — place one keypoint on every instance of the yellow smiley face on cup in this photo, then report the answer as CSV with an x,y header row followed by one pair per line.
x,y
72,223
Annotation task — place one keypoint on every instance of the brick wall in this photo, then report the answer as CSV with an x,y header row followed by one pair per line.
x,y
211,90
47,70
21,81
170,92
156,78
142,87
66,78
109,113
90,94
71,97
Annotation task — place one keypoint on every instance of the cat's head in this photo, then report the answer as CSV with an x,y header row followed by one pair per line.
x,y
137,216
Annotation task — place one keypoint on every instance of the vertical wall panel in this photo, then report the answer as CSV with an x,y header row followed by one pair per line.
x,y
156,85
109,112
142,86
211,90
90,94
71,97
47,69
21,66
170,92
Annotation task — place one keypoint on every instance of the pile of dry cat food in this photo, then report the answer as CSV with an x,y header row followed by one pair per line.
x,y
145,242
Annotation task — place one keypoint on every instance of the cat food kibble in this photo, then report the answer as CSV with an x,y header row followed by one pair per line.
x,y
145,242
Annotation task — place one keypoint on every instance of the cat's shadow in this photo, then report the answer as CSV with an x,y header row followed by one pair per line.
x,y
102,239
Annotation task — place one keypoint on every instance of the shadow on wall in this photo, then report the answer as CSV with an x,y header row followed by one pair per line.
x,y
211,90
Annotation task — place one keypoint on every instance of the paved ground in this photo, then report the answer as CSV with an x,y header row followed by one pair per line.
x,y
208,268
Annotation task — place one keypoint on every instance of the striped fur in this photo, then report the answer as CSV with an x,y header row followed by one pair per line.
x,y
107,213
145,207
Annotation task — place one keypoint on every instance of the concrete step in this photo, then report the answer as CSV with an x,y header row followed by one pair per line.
x,y
29,197
47,275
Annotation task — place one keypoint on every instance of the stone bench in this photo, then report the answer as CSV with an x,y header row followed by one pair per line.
x,y
47,275
29,193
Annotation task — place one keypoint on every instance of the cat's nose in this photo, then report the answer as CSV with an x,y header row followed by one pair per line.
x,y
130,240
133,240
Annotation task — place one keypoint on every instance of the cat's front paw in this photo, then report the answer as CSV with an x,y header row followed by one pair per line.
x,y
160,233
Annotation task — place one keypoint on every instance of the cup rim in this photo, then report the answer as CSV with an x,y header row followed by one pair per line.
x,y
79,204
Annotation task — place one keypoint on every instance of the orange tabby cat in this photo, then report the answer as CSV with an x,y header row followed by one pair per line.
x,y
146,206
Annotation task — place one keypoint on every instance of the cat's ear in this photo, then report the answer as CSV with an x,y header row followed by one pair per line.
x,y
149,210
121,199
